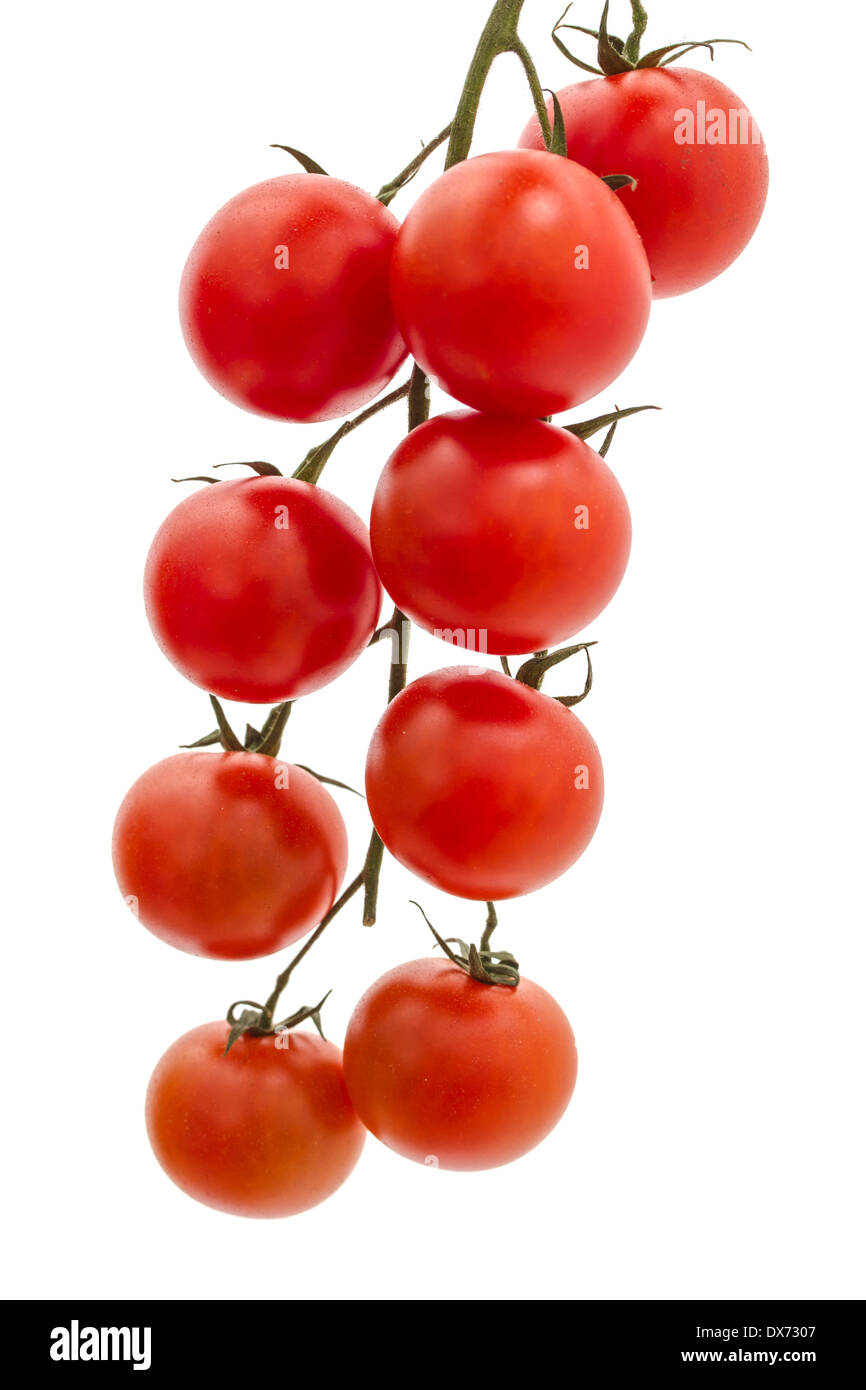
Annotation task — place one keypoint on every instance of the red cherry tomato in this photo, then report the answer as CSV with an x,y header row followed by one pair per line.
x,y
457,1074
284,298
267,1130
232,855
698,200
520,284
499,535
262,589
483,787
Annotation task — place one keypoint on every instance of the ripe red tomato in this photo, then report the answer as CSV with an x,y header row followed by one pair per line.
x,y
697,201
499,535
284,298
457,1074
267,1130
483,787
231,855
520,284
262,589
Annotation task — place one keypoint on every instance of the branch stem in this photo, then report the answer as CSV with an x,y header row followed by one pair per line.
x,y
282,980
499,36
390,190
311,469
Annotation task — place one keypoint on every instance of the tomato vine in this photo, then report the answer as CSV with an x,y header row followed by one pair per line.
x,y
513,748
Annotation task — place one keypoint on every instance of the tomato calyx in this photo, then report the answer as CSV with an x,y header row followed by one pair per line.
x,y
265,740
558,143
585,428
481,962
616,181
617,55
305,161
254,1019
264,470
533,671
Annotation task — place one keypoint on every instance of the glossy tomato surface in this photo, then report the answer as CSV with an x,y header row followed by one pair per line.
x,y
499,535
481,786
520,284
262,589
284,298
267,1130
231,855
698,200
457,1074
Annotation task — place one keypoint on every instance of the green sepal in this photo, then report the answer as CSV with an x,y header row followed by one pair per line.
x,y
303,159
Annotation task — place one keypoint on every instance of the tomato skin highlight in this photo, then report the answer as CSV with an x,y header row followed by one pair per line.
x,y
481,786
487,293
457,1074
696,205
308,340
476,530
265,1131
229,855
262,589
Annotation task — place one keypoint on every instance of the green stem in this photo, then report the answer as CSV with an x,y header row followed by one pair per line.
x,y
419,398
282,980
398,628
401,628
535,88
311,469
639,23
390,190
499,36
489,927
372,870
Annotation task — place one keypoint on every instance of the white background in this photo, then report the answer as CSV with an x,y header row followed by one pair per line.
x,y
708,948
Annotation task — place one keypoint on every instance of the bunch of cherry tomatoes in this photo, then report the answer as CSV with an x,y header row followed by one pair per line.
x,y
521,282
